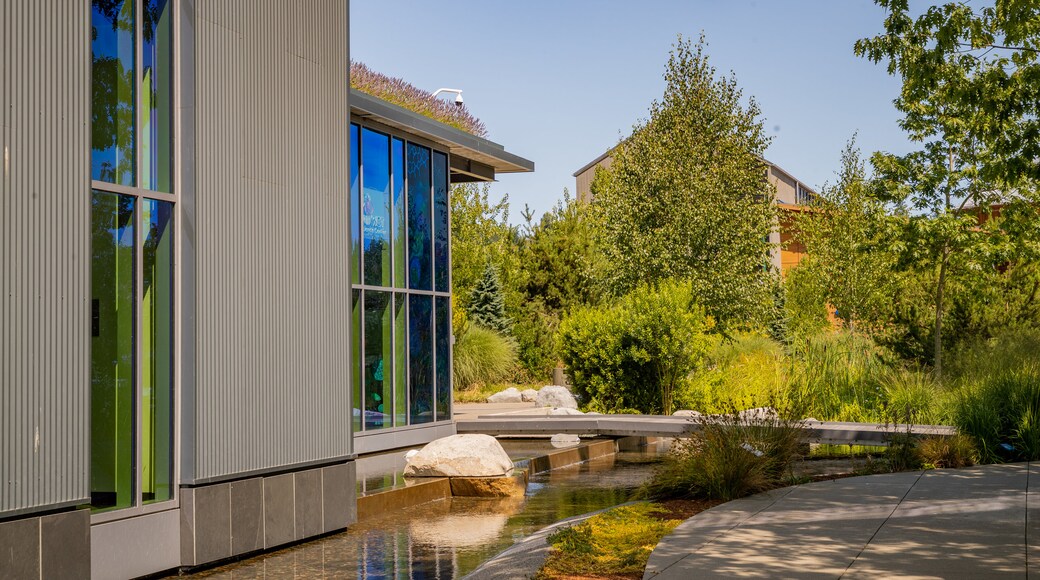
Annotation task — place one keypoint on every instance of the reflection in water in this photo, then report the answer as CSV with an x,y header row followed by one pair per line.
x,y
450,538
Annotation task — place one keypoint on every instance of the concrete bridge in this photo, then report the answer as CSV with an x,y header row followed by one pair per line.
x,y
830,432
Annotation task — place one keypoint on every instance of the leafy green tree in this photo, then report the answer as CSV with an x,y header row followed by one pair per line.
x,y
486,304
686,195
481,234
846,240
971,98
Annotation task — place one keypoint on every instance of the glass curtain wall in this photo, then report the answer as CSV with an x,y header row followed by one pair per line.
x,y
402,310
132,253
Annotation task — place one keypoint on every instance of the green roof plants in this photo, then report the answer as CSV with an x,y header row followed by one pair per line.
x,y
404,94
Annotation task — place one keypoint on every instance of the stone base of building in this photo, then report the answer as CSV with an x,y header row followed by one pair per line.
x,y
226,520
51,546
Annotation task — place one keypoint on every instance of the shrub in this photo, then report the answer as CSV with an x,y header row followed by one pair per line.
x,y
638,353
835,376
953,451
482,356
732,456
748,368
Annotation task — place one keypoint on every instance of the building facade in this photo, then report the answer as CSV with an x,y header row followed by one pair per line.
x,y
215,290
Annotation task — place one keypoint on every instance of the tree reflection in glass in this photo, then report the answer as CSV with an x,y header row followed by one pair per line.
x,y
112,99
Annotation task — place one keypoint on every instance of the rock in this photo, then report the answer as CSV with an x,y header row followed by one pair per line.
x,y
759,414
508,486
565,411
411,454
564,440
470,455
510,395
554,396
686,413
528,395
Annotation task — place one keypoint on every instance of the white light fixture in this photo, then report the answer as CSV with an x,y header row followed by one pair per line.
x,y
457,92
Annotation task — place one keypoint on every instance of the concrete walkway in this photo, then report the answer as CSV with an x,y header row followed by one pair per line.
x,y
981,522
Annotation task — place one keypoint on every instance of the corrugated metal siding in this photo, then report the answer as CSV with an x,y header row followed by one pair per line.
x,y
44,253
272,283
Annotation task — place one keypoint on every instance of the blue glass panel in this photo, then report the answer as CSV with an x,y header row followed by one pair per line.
x,y
355,206
443,329
400,230
420,252
379,356
157,96
375,206
440,224
420,352
112,92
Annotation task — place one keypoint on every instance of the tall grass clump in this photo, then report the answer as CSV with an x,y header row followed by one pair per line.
x,y
913,396
732,456
748,368
835,377
482,356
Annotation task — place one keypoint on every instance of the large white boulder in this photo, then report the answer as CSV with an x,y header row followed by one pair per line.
x,y
470,455
510,395
686,413
555,396
529,395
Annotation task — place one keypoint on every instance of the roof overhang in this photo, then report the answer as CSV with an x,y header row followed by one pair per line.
x,y
472,158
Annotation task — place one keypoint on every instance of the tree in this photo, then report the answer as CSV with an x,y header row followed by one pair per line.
x,y
481,234
971,97
486,304
846,242
686,196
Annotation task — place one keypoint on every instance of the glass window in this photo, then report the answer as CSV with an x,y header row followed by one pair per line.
x,y
157,96
113,282
375,206
355,353
440,224
400,359
443,330
113,100
400,243
355,206
157,351
419,249
420,358
379,356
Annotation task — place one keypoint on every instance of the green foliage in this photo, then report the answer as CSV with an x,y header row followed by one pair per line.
x,y
846,238
638,352
729,458
748,368
834,377
685,195
481,234
970,97
805,303
486,303
998,401
616,542
482,356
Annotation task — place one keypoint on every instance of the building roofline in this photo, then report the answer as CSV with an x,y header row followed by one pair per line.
x,y
594,162
458,142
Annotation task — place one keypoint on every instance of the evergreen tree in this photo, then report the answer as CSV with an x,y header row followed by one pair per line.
x,y
487,305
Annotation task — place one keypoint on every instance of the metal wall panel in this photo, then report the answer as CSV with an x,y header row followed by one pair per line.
x,y
271,214
44,254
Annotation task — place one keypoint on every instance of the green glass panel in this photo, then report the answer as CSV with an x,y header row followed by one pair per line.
x,y
379,355
400,215
157,351
400,359
355,352
112,279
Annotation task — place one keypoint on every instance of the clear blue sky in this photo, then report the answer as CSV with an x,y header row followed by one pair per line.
x,y
560,81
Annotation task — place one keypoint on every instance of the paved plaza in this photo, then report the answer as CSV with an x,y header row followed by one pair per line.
x,y
980,522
